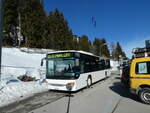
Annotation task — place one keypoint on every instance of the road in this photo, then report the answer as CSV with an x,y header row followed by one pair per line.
x,y
106,96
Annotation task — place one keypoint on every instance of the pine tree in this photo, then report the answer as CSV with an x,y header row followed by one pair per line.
x,y
84,43
10,22
118,53
97,43
104,49
59,32
31,15
101,48
124,56
33,23
75,42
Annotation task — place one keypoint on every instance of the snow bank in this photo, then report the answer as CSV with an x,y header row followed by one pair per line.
x,y
14,57
16,62
114,65
12,89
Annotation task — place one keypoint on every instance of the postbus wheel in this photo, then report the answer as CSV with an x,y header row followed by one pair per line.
x,y
144,95
89,82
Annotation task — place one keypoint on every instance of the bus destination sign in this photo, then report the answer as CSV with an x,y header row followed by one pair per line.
x,y
59,55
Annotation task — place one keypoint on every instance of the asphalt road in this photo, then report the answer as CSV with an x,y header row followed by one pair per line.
x,y
32,103
106,96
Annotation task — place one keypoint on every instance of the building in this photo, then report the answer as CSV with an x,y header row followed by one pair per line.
x,y
142,52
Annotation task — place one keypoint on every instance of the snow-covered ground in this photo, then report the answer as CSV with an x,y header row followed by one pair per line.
x,y
17,63
12,90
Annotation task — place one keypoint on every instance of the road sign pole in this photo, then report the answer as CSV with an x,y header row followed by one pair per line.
x,y
1,30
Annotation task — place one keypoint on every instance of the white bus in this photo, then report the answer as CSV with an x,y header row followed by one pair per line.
x,y
76,68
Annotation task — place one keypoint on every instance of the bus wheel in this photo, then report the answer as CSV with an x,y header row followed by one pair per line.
x,y
89,82
144,95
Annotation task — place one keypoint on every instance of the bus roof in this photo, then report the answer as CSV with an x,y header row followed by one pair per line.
x,y
83,52
78,51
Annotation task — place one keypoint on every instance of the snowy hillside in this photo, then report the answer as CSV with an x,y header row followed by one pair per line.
x,y
16,62
14,57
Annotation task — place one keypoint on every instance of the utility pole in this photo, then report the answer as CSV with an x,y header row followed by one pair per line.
x,y
1,30
20,38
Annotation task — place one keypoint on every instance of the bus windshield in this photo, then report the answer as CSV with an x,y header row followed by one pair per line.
x,y
61,68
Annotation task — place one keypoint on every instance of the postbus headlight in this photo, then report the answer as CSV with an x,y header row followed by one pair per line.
x,y
70,85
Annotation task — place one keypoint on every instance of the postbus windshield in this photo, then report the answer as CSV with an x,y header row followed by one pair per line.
x,y
61,68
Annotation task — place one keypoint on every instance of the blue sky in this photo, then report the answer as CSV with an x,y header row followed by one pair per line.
x,y
125,21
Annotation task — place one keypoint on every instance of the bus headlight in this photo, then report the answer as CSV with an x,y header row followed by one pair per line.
x,y
70,85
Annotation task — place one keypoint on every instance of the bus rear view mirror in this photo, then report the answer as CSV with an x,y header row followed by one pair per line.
x,y
42,61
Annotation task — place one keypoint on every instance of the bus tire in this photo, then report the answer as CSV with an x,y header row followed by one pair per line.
x,y
144,95
89,82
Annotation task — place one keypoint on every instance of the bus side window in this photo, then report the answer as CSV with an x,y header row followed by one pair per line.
x,y
82,67
87,66
94,66
101,65
107,63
